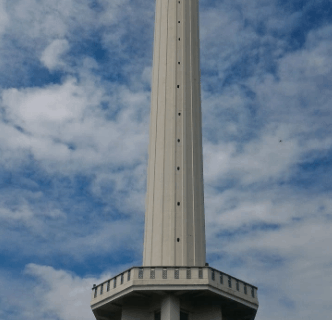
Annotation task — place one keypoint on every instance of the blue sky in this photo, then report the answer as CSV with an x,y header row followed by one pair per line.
x,y
74,114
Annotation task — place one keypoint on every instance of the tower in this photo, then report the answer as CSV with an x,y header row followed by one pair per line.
x,y
174,219
175,282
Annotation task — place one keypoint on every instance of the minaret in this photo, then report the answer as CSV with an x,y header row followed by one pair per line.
x,y
175,282
174,218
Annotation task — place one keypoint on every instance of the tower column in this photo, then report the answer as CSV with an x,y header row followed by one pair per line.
x,y
174,218
170,308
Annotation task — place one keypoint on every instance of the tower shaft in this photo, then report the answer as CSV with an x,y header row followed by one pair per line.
x,y
174,218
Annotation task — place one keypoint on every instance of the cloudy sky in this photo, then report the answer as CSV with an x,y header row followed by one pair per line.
x,y
74,115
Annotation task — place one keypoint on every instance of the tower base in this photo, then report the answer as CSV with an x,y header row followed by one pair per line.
x,y
171,307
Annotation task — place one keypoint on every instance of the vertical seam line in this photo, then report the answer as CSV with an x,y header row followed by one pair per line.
x,y
155,146
192,135
163,193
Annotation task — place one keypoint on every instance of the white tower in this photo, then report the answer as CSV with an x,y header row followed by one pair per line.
x,y
174,219
175,282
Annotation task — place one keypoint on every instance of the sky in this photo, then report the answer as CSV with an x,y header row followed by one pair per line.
x,y
75,81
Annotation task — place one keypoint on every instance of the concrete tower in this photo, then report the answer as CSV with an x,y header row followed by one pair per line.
x,y
175,282
174,219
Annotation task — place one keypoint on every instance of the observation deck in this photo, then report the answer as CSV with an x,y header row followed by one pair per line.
x,y
237,298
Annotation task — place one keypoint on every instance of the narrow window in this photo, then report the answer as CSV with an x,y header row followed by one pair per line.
x,y
114,283
152,274
108,285
101,288
178,239
229,281
164,273
128,276
178,203
176,274
253,292
237,286
122,279
140,273
188,273
221,279
213,275
95,295
200,273
245,289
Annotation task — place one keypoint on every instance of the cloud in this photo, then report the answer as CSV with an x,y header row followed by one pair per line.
x,y
4,20
46,293
51,57
64,125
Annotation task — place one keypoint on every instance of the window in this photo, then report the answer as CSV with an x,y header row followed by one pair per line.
x,y
101,288
253,292
221,279
140,273
122,279
128,276
164,273
95,295
245,289
213,275
152,274
176,274
114,283
229,281
108,285
200,273
178,203
237,286
188,273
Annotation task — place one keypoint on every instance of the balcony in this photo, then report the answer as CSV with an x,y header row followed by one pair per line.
x,y
187,280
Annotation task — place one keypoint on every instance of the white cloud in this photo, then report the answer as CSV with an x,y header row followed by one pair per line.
x,y
260,160
60,294
64,123
22,211
51,57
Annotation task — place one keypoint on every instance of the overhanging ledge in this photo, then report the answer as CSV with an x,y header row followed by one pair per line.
x,y
187,281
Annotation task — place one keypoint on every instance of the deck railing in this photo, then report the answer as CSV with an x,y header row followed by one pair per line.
x,y
178,275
